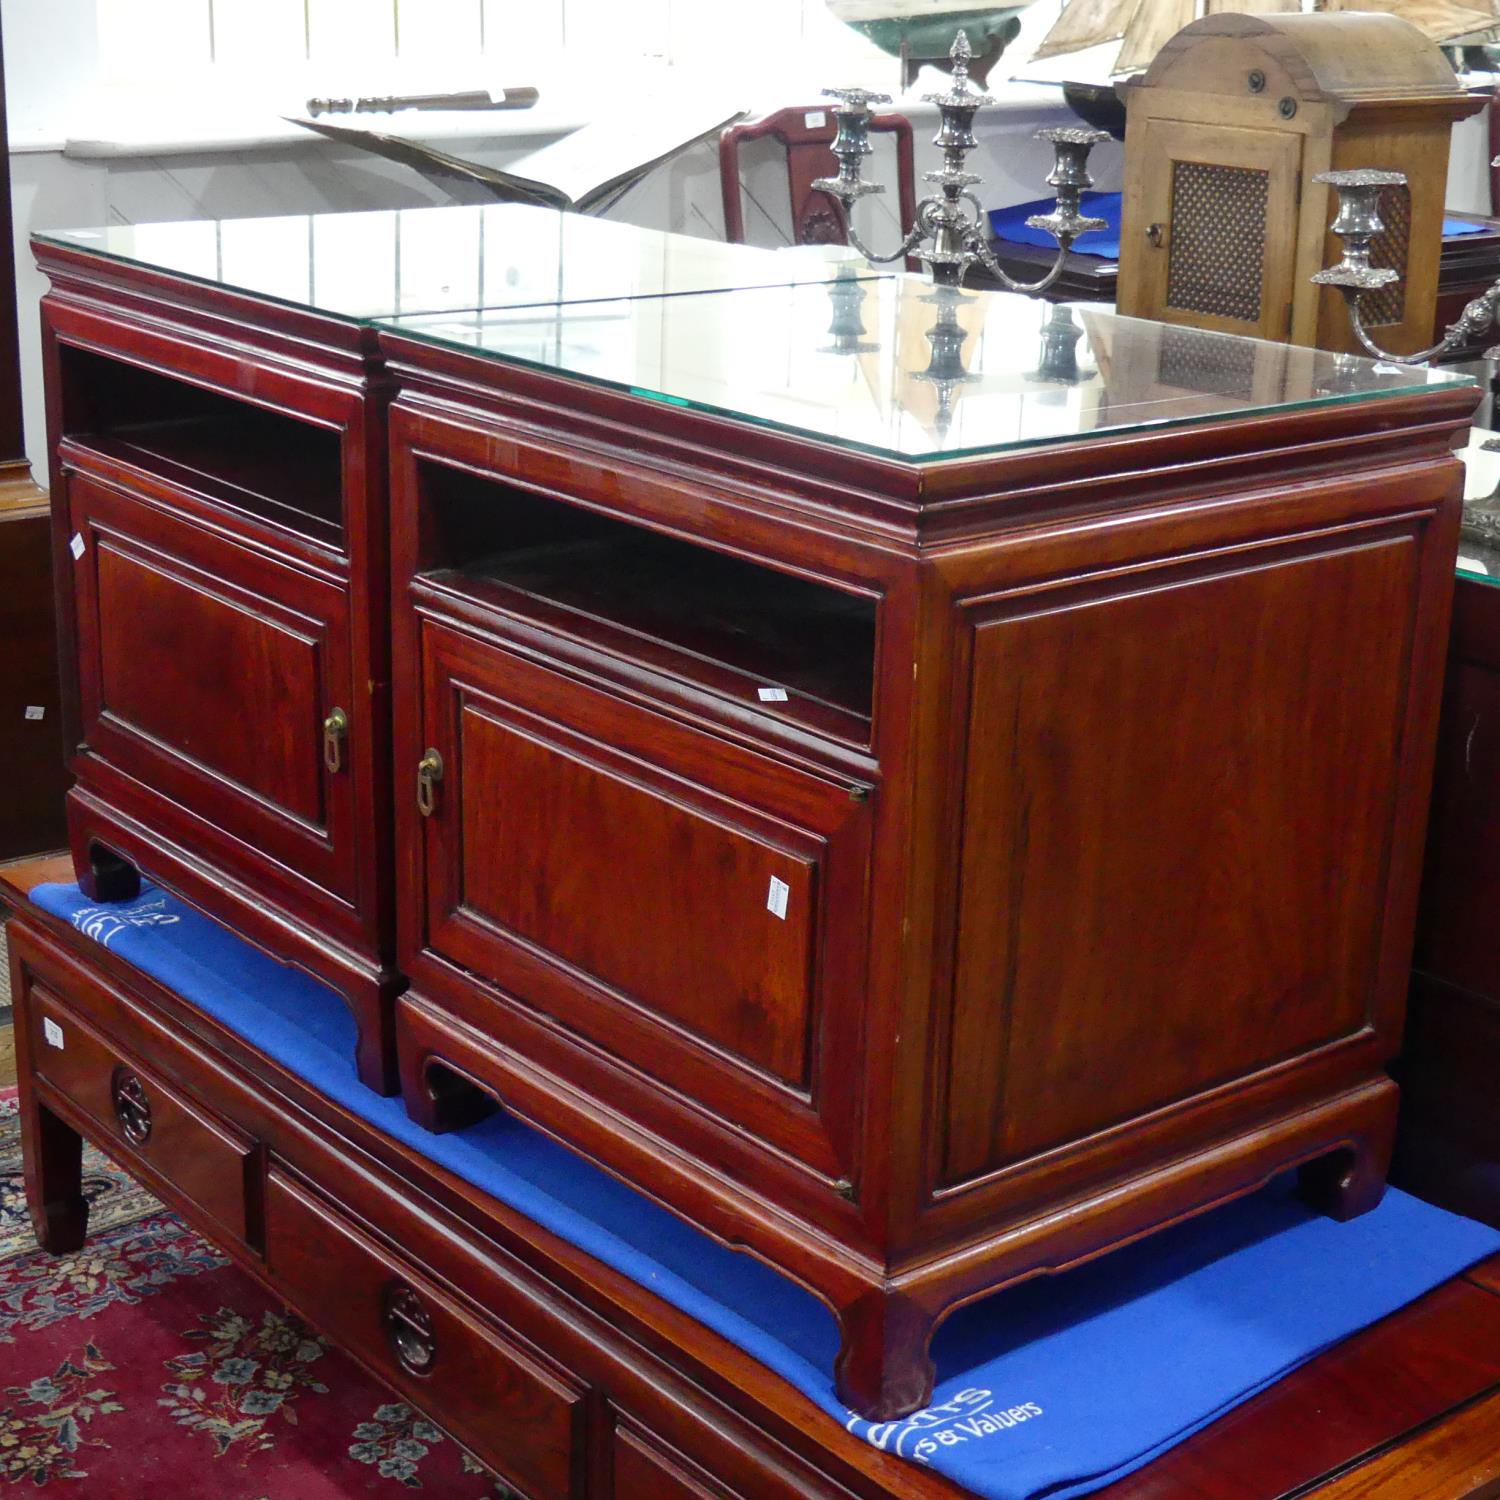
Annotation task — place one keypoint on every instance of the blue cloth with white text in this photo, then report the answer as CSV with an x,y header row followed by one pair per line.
x,y
1053,1388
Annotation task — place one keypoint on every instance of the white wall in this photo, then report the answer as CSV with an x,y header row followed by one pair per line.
x,y
107,98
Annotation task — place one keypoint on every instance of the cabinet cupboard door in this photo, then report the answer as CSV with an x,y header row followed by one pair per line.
x,y
669,895
1220,205
207,672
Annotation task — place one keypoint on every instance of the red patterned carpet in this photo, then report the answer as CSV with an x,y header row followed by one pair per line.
x,y
146,1365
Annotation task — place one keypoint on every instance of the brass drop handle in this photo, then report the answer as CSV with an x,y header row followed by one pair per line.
x,y
429,773
408,1329
335,732
1154,234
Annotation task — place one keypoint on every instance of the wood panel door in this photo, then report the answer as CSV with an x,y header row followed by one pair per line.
x,y
1218,207
693,907
208,672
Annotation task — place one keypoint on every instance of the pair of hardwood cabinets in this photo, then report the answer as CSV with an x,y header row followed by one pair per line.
x,y
923,871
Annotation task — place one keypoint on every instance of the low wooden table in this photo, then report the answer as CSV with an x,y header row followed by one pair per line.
x,y
1407,1410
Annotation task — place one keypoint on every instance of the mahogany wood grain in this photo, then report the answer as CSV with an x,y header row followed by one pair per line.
x,y
1449,1146
1101,919
223,459
207,1161
32,771
1486,1274
529,1416
642,1468
666,1405
1073,958
1442,1464
876,1093
1461,890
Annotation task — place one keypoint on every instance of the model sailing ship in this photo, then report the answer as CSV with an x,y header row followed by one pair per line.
x,y
921,31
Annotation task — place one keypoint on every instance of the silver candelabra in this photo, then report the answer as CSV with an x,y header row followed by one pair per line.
x,y
948,236
1357,223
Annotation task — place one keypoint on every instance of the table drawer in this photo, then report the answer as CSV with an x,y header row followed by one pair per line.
x,y
145,1123
503,1402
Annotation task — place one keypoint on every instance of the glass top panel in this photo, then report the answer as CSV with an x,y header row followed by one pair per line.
x,y
899,368
363,266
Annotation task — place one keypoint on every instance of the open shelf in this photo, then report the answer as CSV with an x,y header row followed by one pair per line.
x,y
244,457
736,627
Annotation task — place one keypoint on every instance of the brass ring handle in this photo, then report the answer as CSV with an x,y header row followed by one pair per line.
x,y
132,1106
408,1329
429,773
335,732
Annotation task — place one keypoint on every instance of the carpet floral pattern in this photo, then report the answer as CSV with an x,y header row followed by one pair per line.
x,y
147,1363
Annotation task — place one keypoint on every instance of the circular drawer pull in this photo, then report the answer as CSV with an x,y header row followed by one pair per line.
x,y
132,1106
409,1329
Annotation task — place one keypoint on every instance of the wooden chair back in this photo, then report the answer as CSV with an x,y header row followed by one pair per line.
x,y
806,135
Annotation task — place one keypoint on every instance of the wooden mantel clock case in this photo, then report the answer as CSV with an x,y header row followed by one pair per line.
x,y
1224,221
926,825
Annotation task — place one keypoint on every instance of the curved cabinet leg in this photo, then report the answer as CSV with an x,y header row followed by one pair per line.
x,y
53,1157
1351,1181
884,1369
439,1099
373,1005
106,877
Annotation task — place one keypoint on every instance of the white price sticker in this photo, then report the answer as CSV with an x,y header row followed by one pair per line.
x,y
776,897
35,712
53,1033
76,546
771,695
815,119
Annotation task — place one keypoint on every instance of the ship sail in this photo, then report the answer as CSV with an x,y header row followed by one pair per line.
x,y
1141,27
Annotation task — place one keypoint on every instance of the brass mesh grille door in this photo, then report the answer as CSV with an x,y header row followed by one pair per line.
x,y
1211,227
1216,257
1389,249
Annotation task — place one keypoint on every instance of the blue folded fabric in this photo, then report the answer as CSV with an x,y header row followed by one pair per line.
x,y
1010,224
1055,1388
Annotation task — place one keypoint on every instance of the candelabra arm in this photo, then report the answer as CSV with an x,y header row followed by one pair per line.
x,y
913,238
1477,317
986,257
1358,223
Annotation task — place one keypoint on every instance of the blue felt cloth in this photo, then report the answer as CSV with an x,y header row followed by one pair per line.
x,y
1054,1388
1010,224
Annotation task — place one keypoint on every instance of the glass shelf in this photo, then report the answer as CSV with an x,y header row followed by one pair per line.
x,y
363,266
898,369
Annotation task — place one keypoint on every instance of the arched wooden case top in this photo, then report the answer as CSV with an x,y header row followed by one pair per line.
x,y
1223,223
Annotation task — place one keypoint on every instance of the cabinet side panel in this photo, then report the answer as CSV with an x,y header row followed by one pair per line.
x,y
1178,803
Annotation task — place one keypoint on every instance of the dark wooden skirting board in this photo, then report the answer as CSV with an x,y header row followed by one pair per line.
x,y
1402,1411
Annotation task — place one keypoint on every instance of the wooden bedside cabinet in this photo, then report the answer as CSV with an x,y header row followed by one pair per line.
x,y
216,403
218,484
922,871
